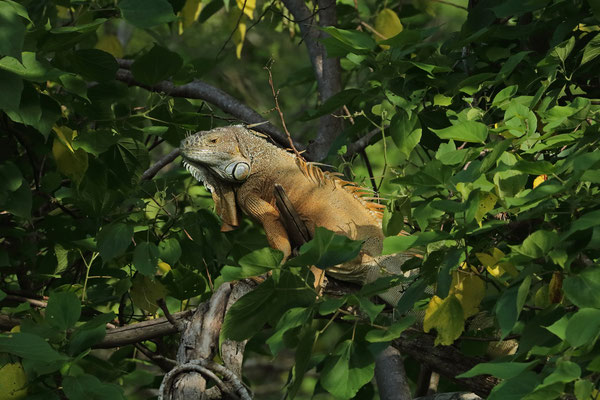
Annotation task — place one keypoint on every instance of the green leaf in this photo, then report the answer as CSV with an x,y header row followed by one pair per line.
x,y
12,85
591,50
156,65
326,249
64,310
10,177
403,133
19,202
292,318
583,389
397,244
465,131
145,258
333,103
360,42
86,387
268,301
510,304
95,142
145,292
89,334
169,250
93,64
538,244
586,221
349,368
562,50
29,346
393,332
370,308
516,388
584,327
583,289
30,68
146,13
501,370
113,240
304,351
12,31
566,371
505,96
183,283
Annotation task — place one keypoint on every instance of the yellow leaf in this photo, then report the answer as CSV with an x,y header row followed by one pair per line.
x,y
494,266
555,288
238,38
164,267
486,204
16,328
247,8
539,180
189,14
72,163
388,25
13,382
63,12
541,297
469,289
446,317
110,44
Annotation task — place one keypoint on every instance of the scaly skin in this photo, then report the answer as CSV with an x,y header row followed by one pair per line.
x,y
238,160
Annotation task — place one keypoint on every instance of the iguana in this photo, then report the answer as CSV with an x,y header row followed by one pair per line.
x,y
241,169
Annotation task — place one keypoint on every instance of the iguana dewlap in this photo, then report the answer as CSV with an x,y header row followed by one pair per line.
x,y
240,168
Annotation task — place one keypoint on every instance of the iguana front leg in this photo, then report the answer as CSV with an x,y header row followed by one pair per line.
x,y
268,216
277,235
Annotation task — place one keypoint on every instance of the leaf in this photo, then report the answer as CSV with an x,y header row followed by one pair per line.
x,y
169,250
349,368
486,204
566,371
29,67
94,64
29,346
113,240
110,44
12,31
95,142
247,7
304,351
469,289
156,65
515,388
326,249
403,134
591,50
333,103
538,244
292,318
10,177
539,180
393,332
465,131
146,13
86,387
189,14
446,317
19,202
397,244
183,283
145,258
72,163
586,221
255,263
501,370
510,304
239,36
388,25
13,381
64,310
370,308
583,327
351,40
582,289
145,292
90,333
12,85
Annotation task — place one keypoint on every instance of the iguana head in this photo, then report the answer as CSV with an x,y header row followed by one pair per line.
x,y
217,150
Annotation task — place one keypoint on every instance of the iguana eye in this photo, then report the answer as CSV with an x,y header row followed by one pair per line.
x,y
239,171
215,140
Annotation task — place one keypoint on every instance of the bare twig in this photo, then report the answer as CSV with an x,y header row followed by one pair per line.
x,y
276,99
172,320
160,164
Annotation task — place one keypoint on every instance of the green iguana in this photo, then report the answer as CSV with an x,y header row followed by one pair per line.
x,y
241,169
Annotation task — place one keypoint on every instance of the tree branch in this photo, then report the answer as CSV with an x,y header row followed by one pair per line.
x,y
203,91
327,70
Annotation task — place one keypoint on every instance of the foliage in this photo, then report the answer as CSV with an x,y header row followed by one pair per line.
x,y
487,131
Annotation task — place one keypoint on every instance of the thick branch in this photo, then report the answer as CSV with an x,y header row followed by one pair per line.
x,y
203,91
391,376
448,361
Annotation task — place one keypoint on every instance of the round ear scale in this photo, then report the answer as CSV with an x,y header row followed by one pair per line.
x,y
239,170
